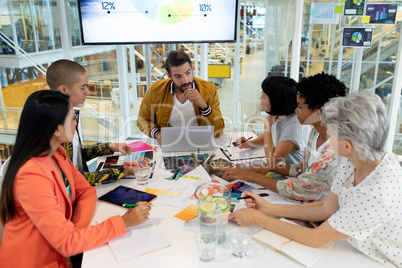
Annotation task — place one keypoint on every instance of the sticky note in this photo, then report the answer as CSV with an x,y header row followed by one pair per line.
x,y
140,146
162,192
188,213
366,19
338,9
314,13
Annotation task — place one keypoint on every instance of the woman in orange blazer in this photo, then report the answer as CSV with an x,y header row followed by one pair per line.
x,y
45,203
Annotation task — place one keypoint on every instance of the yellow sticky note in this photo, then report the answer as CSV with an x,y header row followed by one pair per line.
x,y
366,19
338,9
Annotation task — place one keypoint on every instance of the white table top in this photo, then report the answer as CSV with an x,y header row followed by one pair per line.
x,y
183,252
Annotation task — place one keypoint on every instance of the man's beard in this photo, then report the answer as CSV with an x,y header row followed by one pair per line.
x,y
181,87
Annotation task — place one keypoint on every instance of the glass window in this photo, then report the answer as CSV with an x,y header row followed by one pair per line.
x,y
23,25
43,25
101,116
5,28
397,147
75,23
55,23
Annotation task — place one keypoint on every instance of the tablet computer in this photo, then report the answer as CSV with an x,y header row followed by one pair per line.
x,y
122,194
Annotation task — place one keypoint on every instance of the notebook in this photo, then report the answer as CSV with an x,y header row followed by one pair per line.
x,y
298,252
136,242
186,139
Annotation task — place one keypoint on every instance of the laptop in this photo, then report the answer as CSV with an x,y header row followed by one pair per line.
x,y
185,139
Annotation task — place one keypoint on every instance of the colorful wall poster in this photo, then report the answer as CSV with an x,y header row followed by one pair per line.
x,y
353,7
324,13
381,13
357,36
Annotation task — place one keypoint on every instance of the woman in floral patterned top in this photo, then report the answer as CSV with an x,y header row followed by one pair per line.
x,y
312,178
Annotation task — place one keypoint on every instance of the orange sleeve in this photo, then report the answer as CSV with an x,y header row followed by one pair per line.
x,y
41,198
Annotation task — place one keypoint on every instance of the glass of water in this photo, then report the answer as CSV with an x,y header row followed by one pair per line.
x,y
240,239
142,171
206,248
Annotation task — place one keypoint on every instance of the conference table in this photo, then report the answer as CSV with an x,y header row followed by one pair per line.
x,y
182,251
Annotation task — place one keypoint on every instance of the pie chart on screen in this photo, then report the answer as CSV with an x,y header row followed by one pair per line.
x,y
165,11
357,37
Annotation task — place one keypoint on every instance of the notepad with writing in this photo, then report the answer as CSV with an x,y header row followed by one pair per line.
x,y
300,253
137,242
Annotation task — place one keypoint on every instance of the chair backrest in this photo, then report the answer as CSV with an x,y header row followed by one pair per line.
x,y
255,124
3,170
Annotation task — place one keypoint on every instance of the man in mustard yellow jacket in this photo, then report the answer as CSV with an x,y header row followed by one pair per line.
x,y
180,100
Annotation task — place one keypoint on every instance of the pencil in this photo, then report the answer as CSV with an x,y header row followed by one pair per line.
x,y
243,141
194,157
210,158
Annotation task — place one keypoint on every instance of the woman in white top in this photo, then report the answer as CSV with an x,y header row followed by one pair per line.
x,y
312,178
284,138
364,205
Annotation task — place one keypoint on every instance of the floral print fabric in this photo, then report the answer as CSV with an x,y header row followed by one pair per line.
x,y
92,150
310,183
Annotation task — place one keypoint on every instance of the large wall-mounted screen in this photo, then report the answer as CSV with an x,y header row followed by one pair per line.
x,y
157,21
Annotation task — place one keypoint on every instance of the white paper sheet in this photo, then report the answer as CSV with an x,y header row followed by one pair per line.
x,y
186,187
137,242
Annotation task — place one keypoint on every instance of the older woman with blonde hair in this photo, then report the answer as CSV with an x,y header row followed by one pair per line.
x,y
364,205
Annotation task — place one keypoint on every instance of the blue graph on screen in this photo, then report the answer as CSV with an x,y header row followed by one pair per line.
x,y
326,14
381,13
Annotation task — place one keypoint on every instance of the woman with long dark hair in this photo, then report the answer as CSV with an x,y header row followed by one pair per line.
x,y
284,138
46,204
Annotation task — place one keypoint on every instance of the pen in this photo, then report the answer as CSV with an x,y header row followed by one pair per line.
x,y
130,205
129,164
198,156
243,141
237,185
245,197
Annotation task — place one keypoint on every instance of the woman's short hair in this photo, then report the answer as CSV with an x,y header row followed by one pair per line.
x,y
282,93
64,72
320,88
360,118
176,58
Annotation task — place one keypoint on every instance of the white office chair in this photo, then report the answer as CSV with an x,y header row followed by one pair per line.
x,y
115,99
3,170
255,124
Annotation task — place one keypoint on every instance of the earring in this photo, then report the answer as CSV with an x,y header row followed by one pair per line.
x,y
57,133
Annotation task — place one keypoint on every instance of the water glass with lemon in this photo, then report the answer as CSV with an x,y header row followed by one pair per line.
x,y
213,203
